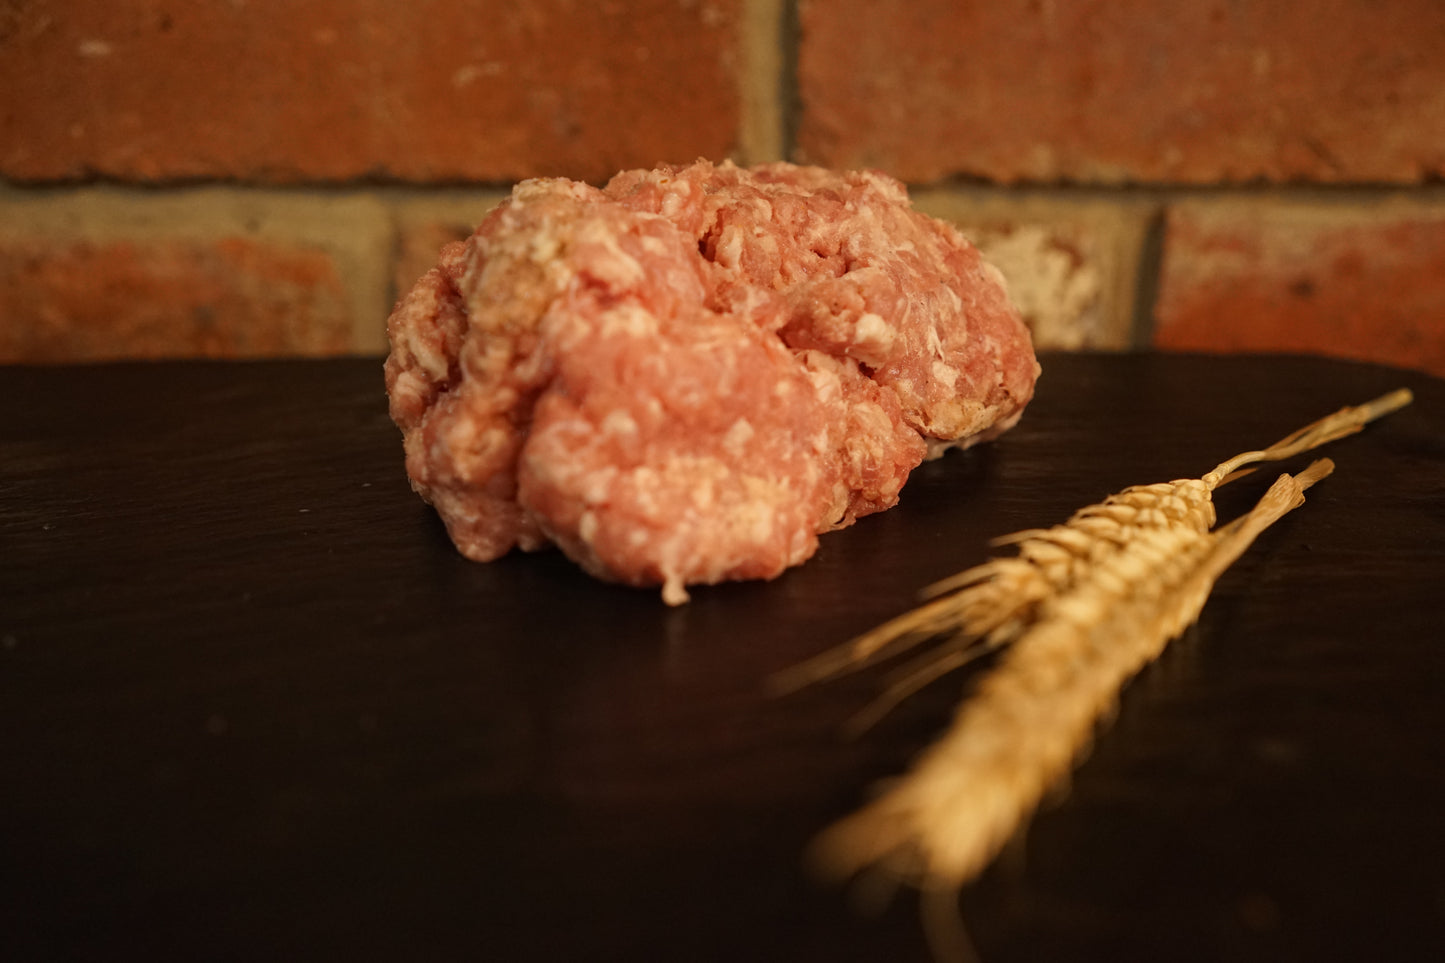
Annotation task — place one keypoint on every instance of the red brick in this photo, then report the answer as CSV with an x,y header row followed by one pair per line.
x,y
1337,280
1111,91
320,90
234,297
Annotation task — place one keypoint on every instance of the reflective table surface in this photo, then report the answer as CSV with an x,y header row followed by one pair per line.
x,y
254,706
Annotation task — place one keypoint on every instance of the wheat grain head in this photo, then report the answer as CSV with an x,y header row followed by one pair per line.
x,y
1080,609
1020,732
984,608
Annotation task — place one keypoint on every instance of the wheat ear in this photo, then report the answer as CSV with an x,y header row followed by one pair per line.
x,y
1021,731
1083,607
985,607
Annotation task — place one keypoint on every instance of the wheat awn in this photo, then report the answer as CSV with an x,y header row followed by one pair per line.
x,y
1080,609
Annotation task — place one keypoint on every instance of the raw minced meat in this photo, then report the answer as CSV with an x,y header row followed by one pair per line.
x,y
686,376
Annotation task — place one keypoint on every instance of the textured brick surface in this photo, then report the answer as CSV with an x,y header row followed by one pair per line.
x,y
1198,91
1355,282
234,297
1071,265
103,273
295,90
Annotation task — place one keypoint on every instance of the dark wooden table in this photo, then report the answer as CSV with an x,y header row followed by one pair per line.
x,y
254,706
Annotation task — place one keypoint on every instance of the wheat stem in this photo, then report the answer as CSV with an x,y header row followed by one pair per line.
x,y
988,605
1022,730
1344,422
1081,608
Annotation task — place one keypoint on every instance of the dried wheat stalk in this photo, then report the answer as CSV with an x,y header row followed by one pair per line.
x,y
1082,608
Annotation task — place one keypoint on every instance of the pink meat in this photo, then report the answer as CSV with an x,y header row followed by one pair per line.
x,y
686,376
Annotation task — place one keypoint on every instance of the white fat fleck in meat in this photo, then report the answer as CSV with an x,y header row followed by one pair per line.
x,y
935,343
871,420
704,494
872,327
587,527
822,441
427,349
596,486
945,375
749,300
754,521
545,248
674,587
738,436
823,373
631,320
644,483
602,257
471,438
619,422
872,338
410,391
729,250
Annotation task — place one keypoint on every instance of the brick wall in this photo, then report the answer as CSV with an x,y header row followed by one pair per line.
x,y
243,178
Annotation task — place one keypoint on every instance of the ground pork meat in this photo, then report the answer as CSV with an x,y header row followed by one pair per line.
x,y
686,376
